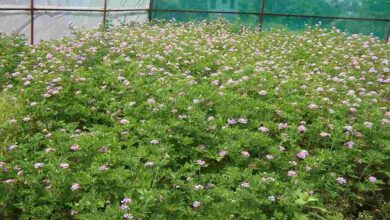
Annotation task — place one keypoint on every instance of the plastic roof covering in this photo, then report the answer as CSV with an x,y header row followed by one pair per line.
x,y
55,24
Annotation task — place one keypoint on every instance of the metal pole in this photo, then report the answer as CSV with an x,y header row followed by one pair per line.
x,y
32,22
150,10
104,13
388,35
262,15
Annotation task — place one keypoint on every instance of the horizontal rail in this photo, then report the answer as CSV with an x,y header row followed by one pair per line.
x,y
205,11
196,11
74,9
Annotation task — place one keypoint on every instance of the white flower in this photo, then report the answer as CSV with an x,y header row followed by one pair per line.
x,y
38,165
368,124
272,198
154,141
263,93
263,129
124,121
198,187
245,185
196,204
75,186
64,165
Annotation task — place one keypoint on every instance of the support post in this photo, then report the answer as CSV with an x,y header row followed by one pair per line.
x,y
387,40
32,22
104,14
150,10
262,15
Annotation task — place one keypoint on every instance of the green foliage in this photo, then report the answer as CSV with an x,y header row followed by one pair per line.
x,y
197,121
12,49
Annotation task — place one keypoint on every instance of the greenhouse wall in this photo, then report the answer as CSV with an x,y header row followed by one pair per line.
x,y
51,19
48,19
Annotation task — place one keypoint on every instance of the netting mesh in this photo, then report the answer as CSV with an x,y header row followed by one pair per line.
x,y
294,14
352,16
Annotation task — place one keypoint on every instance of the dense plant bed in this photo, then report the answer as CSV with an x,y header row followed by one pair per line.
x,y
197,121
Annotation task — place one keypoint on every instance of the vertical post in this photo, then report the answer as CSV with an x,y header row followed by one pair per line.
x,y
104,13
150,11
387,40
32,22
262,15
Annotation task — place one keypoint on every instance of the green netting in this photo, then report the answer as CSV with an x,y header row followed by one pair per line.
x,y
249,20
377,28
334,8
338,8
250,6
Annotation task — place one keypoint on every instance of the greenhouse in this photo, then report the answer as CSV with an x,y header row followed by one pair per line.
x,y
194,109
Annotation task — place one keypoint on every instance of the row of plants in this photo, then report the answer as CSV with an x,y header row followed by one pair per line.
x,y
196,121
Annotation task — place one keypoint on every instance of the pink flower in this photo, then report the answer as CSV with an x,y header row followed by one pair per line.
x,y
151,101
263,129
104,149
349,144
368,124
75,186
302,129
341,180
372,179
291,173
64,165
9,181
313,106
38,165
232,121
243,120
128,216
103,168
283,126
49,56
348,128
49,149
303,154
269,157
201,163
126,200
124,207
124,121
223,153
245,153
75,147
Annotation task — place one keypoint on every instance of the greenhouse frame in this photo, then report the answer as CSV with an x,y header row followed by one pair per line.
x,y
46,19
